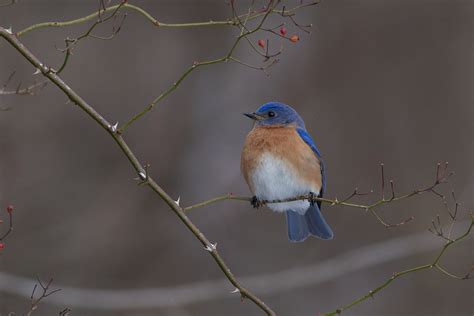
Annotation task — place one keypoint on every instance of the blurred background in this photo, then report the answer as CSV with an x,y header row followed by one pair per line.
x,y
376,81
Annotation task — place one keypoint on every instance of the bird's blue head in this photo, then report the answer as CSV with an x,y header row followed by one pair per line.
x,y
276,114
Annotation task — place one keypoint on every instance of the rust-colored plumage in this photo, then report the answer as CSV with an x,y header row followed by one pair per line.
x,y
282,142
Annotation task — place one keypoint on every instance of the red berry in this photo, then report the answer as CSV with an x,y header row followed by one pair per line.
x,y
10,208
2,245
261,43
283,31
294,38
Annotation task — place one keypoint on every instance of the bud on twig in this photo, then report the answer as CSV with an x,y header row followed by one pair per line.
x,y
294,38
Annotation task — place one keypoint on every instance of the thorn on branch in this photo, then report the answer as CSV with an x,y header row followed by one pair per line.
x,y
211,247
236,290
143,175
113,128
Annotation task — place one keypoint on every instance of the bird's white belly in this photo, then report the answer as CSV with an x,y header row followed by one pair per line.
x,y
274,179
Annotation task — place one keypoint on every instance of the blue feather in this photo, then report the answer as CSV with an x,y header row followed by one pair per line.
x,y
297,226
312,222
308,140
317,225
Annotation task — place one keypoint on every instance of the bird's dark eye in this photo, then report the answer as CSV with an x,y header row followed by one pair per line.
x,y
271,114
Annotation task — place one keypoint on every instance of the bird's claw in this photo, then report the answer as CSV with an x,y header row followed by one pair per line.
x,y
256,203
312,198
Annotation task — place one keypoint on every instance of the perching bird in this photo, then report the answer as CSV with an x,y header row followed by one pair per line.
x,y
281,161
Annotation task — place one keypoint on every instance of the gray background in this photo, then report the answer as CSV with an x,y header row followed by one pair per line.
x,y
376,81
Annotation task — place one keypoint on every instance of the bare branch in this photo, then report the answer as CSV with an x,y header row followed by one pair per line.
x,y
440,178
262,68
9,210
356,193
434,264
76,99
45,292
154,21
29,90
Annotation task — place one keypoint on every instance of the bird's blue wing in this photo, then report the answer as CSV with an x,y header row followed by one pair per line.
x,y
312,222
308,140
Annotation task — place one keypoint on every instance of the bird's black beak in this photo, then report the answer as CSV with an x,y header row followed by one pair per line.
x,y
254,116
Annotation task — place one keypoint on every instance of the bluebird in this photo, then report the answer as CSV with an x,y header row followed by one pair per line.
x,y
281,161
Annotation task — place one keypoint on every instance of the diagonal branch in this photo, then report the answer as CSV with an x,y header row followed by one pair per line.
x,y
137,166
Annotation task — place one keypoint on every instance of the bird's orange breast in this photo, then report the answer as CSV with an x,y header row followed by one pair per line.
x,y
282,142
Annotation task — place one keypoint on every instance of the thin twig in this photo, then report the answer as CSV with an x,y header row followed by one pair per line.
x,y
10,227
433,264
70,43
440,178
45,292
262,68
271,9
151,19
29,90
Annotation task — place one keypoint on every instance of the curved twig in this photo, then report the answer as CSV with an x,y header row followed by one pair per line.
x,y
154,21
433,264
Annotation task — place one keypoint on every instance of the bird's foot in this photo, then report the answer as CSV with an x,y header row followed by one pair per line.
x,y
256,203
312,198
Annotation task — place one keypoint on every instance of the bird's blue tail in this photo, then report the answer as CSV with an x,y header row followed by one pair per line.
x,y
312,222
